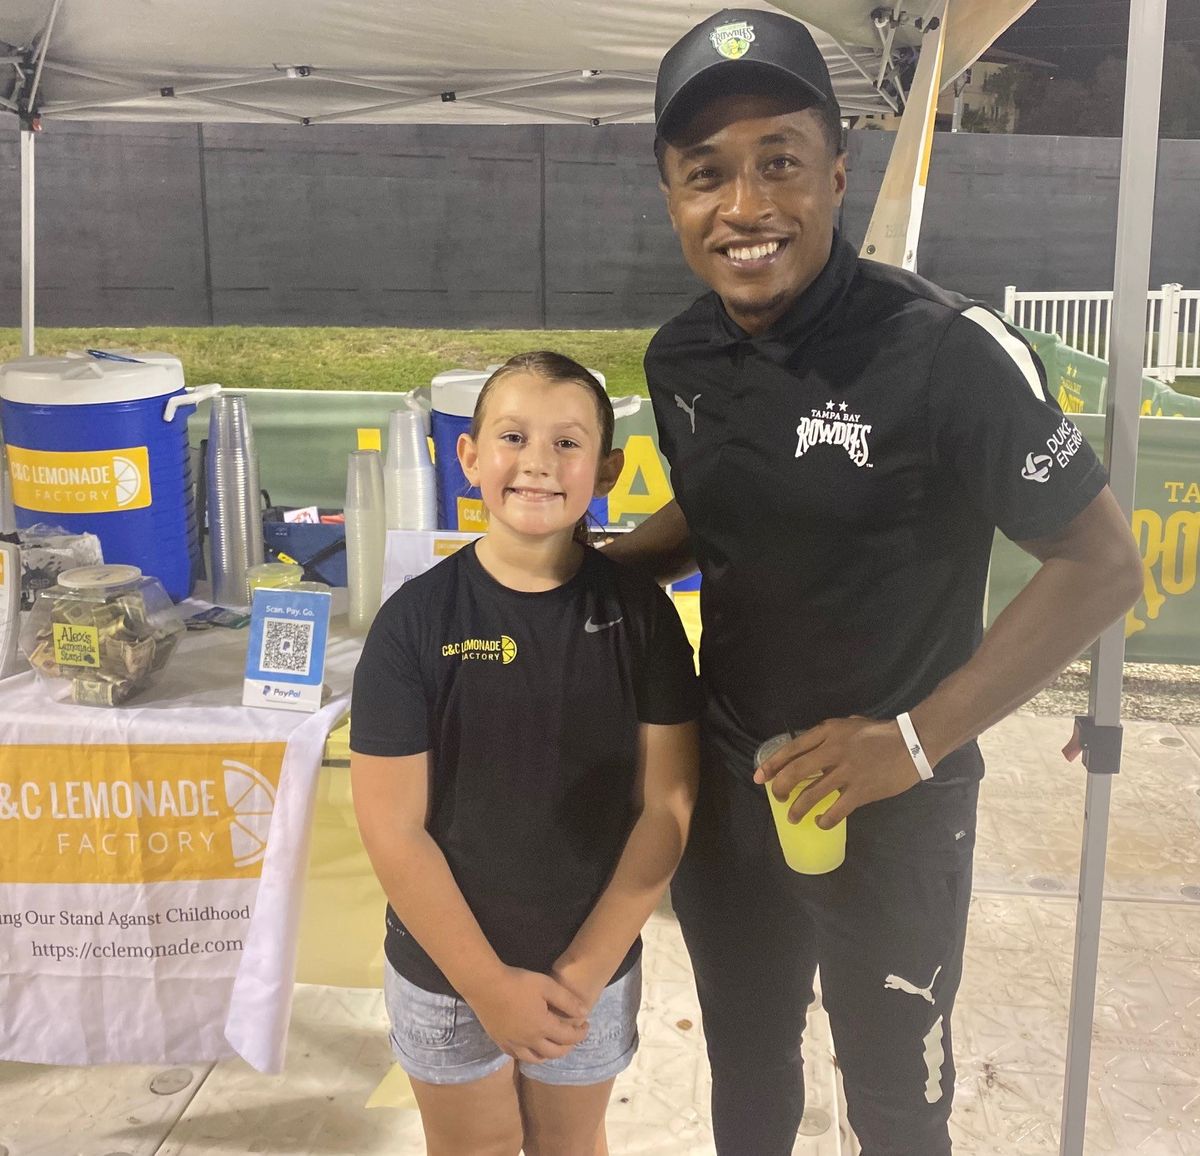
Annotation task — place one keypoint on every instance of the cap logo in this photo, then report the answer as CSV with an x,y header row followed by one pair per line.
x,y
732,41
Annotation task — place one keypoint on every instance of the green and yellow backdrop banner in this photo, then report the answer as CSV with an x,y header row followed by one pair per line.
x,y
303,439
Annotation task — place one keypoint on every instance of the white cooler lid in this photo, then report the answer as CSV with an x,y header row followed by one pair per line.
x,y
456,390
78,378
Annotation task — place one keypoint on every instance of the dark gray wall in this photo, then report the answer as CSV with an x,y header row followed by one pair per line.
x,y
520,226
1033,211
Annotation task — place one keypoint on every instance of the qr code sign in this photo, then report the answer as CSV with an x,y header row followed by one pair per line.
x,y
286,646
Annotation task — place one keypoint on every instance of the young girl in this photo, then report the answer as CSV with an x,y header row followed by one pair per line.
x,y
524,768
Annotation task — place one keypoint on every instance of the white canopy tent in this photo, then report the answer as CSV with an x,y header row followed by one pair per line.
x,y
471,61
589,62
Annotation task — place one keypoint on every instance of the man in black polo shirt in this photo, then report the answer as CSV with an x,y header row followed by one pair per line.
x,y
844,438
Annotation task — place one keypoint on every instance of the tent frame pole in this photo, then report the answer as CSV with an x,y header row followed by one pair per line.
x,y
1135,229
28,206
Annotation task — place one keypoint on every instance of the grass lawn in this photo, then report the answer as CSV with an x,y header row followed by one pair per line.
x,y
243,357
344,357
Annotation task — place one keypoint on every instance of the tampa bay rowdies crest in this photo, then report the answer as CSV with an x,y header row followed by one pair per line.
x,y
732,40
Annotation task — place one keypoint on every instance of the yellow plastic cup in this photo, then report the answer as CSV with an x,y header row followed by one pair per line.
x,y
807,848
274,575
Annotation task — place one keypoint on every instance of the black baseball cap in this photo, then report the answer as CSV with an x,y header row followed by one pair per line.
x,y
732,47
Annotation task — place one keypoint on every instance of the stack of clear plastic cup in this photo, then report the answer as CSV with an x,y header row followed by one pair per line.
x,y
410,491
234,501
366,531
8,518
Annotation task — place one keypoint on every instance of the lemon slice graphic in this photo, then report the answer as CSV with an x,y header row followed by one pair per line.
x,y
508,649
128,480
252,799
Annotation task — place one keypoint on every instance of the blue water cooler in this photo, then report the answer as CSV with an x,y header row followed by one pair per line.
x,y
97,443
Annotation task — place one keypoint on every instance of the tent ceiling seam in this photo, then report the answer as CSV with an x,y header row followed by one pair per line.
x,y
91,74
629,116
636,77
412,97
362,110
293,118
569,117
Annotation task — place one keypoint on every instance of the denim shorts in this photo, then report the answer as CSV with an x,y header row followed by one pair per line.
x,y
438,1039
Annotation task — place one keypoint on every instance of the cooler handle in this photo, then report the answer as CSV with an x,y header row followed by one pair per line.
x,y
193,395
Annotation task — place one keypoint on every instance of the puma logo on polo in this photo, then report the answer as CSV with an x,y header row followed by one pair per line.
x,y
899,983
690,410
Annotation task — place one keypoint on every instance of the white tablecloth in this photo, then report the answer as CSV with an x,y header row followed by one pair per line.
x,y
141,919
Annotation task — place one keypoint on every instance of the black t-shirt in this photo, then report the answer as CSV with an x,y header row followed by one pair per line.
x,y
842,476
530,703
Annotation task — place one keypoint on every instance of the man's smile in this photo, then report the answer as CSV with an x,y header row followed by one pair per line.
x,y
752,256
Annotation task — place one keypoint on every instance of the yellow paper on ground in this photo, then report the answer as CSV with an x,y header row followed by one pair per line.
x,y
394,1091
341,921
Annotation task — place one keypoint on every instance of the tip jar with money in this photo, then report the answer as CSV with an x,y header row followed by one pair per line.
x,y
103,631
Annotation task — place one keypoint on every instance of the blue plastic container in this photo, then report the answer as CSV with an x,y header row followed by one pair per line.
x,y
98,443
453,395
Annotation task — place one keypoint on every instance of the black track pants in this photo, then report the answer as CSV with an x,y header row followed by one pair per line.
x,y
887,930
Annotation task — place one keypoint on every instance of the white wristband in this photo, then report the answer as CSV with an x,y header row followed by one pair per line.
x,y
914,745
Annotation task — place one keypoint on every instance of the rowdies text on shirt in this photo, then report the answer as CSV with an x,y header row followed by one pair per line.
x,y
833,426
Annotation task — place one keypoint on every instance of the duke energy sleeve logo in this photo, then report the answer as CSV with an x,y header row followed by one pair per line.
x,y
91,482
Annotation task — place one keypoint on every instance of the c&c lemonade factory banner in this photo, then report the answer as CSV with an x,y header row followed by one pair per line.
x,y
150,866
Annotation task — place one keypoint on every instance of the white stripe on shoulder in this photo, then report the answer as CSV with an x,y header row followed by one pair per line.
x,y
1014,347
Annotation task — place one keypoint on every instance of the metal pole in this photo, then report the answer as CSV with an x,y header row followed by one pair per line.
x,y
27,239
1135,227
959,88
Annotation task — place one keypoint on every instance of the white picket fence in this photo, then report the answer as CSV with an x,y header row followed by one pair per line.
x,y
1083,320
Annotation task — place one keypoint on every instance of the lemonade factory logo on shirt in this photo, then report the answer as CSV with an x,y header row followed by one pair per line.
x,y
502,649
136,814
88,482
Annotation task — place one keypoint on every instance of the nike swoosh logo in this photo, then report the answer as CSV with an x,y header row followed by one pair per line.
x,y
595,627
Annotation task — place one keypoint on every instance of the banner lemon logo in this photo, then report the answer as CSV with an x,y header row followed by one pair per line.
x,y
508,649
252,799
128,480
